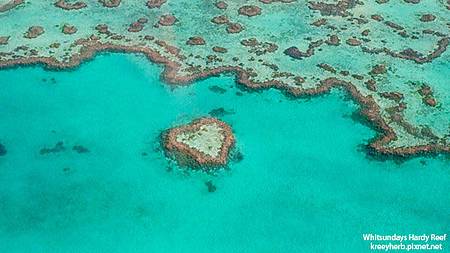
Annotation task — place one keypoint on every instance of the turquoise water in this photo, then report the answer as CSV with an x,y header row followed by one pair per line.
x,y
303,185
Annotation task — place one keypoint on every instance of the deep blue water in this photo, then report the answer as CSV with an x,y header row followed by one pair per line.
x,y
303,185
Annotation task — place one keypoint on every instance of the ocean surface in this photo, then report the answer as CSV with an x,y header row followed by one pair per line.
x,y
304,183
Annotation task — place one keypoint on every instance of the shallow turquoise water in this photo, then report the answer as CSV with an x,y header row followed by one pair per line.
x,y
303,185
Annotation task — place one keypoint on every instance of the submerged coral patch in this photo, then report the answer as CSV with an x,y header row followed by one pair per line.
x,y
34,32
110,3
69,29
59,147
155,3
4,40
67,5
2,150
10,4
249,10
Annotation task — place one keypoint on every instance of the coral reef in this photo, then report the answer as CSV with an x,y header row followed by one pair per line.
x,y
204,143
59,147
34,32
63,4
395,67
3,150
110,3
155,3
11,4
69,29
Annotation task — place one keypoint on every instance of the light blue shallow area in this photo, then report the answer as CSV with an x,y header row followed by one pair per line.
x,y
303,185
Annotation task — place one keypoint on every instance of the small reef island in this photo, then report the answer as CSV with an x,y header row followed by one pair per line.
x,y
204,143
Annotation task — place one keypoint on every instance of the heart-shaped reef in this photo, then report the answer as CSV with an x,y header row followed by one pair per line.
x,y
203,143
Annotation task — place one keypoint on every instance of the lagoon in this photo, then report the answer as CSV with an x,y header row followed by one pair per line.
x,y
304,183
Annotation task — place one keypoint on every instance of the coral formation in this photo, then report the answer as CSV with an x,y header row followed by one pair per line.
x,y
205,143
2,150
358,46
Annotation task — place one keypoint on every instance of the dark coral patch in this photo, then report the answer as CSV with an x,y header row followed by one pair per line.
x,y
333,9
167,20
10,5
110,3
211,187
234,28
222,19
80,149
135,27
69,29
319,22
143,20
55,45
377,17
327,67
371,85
353,42
275,1
34,32
4,40
427,18
427,95
218,49
219,112
333,40
155,3
103,29
59,147
197,40
393,95
221,5
217,89
412,1
249,10
294,52
378,69
3,150
63,4
259,48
